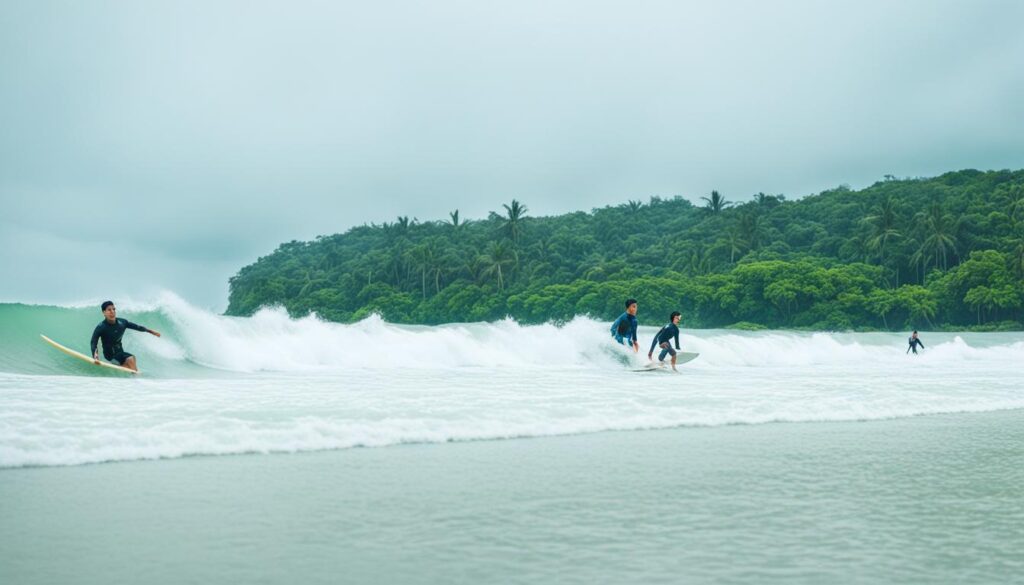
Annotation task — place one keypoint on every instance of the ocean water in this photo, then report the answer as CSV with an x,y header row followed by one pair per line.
x,y
495,442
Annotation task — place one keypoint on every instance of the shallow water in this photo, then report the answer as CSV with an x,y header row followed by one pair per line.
x,y
934,499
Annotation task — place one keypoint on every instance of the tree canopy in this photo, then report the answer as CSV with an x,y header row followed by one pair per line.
x,y
925,253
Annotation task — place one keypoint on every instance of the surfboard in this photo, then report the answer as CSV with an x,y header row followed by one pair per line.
x,y
84,357
681,358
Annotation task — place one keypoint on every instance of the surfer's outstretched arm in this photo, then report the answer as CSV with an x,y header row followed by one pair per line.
x,y
131,325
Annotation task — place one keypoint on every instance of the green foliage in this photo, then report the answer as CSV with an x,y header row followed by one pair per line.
x,y
927,253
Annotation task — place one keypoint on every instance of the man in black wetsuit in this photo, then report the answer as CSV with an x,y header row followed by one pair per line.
x,y
662,338
914,342
110,330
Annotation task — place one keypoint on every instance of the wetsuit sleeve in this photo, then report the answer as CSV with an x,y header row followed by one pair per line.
x,y
654,342
615,326
921,343
131,325
94,340
634,325
677,339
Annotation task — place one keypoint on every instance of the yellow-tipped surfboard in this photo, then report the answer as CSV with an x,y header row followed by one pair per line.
x,y
84,357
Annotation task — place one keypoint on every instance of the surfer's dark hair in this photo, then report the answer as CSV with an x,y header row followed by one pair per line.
x,y
106,304
630,302
674,315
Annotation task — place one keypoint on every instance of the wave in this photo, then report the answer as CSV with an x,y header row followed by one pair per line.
x,y
197,342
130,433
268,383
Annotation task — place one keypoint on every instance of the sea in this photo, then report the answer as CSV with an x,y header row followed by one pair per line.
x,y
269,449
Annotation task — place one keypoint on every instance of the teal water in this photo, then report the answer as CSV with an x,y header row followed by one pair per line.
x,y
503,453
937,499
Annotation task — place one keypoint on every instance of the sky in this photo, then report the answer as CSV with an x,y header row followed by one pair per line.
x,y
161,146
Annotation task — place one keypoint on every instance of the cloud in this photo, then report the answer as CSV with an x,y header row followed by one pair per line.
x,y
205,134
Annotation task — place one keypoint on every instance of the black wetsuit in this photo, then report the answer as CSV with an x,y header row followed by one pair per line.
x,y
111,334
914,342
662,338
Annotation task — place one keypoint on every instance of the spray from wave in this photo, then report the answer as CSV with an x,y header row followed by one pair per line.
x,y
197,342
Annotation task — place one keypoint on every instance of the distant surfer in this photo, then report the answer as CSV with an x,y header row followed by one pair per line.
x,y
662,338
914,343
624,328
110,330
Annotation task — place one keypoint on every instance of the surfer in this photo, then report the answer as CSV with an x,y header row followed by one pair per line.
x,y
914,342
624,328
662,338
110,330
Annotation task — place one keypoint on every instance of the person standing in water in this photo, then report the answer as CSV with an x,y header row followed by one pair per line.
x,y
110,330
914,342
624,328
662,338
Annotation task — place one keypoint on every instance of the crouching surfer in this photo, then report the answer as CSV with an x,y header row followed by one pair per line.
x,y
662,339
110,331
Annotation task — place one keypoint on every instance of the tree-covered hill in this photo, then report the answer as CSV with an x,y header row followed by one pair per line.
x,y
926,253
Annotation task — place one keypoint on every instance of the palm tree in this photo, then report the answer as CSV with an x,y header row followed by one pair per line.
x,y
443,265
716,203
513,226
1016,205
763,200
1017,254
1016,211
921,258
396,263
423,258
883,227
751,230
455,219
860,247
940,240
310,281
734,242
475,268
498,256
981,297
699,262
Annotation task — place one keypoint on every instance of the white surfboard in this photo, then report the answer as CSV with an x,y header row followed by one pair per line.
x,y
681,358
84,357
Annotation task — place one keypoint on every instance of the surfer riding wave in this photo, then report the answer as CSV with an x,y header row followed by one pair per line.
x,y
110,331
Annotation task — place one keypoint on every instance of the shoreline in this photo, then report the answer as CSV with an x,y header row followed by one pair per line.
x,y
798,502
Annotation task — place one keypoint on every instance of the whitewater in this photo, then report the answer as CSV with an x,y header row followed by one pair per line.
x,y
216,385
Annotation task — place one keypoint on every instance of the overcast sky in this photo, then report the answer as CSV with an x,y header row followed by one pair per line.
x,y
150,146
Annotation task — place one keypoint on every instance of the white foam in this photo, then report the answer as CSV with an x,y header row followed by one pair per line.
x,y
272,341
305,384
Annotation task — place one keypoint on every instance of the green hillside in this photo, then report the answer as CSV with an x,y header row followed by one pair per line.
x,y
927,253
